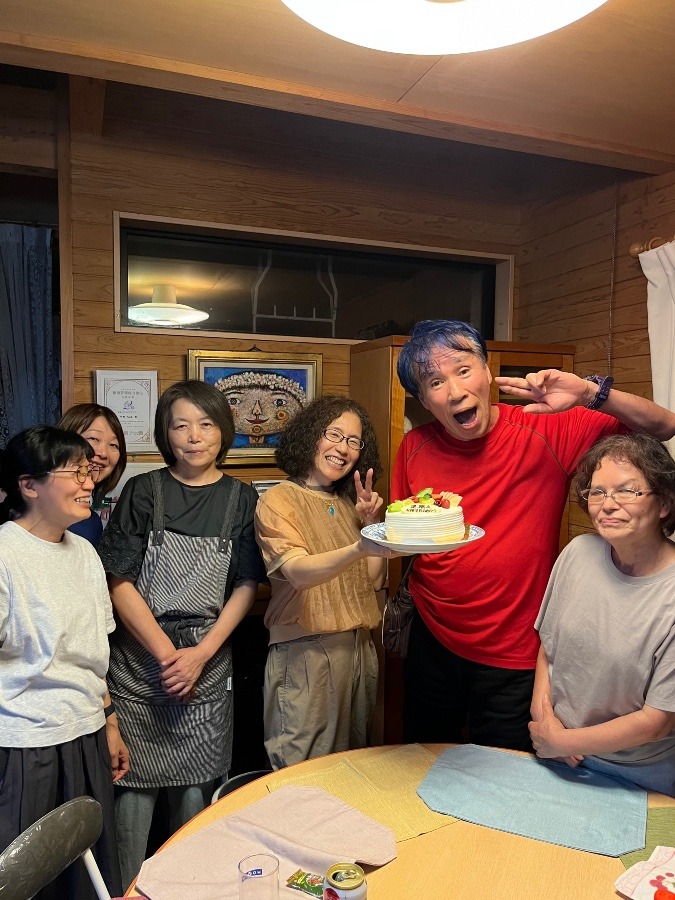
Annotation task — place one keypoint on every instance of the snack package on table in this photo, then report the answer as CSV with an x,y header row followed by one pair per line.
x,y
652,879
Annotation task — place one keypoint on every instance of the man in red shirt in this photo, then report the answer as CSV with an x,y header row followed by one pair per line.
x,y
473,647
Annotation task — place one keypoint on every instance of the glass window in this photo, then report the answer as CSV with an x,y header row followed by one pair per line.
x,y
270,288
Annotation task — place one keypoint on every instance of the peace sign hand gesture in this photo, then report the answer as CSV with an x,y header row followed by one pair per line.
x,y
368,501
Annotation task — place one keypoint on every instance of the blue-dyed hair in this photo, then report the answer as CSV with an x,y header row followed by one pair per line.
x,y
413,360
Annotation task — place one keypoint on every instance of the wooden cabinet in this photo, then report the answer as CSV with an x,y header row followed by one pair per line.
x,y
375,384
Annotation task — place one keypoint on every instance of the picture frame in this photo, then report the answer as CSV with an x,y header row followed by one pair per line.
x,y
264,484
132,396
265,391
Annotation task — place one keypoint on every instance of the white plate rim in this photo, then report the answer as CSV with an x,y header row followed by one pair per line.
x,y
475,533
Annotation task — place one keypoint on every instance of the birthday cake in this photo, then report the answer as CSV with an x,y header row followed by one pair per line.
x,y
427,516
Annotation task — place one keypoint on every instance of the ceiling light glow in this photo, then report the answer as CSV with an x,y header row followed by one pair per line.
x,y
164,310
430,27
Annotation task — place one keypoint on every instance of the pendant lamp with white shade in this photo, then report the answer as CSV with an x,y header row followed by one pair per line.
x,y
164,309
439,27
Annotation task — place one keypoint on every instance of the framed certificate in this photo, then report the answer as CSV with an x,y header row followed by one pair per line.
x,y
132,396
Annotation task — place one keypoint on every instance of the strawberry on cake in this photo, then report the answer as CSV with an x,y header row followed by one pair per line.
x,y
427,516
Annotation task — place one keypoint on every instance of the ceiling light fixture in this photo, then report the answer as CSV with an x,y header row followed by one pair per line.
x,y
164,310
438,27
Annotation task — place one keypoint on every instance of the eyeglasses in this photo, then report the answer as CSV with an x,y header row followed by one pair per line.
x,y
337,437
81,473
621,496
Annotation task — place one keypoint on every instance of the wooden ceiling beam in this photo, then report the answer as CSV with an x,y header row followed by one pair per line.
x,y
94,62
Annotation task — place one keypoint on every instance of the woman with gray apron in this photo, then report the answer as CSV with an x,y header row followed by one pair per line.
x,y
183,569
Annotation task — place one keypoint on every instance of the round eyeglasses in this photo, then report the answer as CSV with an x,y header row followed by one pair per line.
x,y
337,437
81,473
621,496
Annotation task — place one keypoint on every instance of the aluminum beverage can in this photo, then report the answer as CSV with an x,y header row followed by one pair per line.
x,y
345,881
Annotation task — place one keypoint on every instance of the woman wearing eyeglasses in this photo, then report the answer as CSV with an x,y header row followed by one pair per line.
x,y
321,672
604,693
59,737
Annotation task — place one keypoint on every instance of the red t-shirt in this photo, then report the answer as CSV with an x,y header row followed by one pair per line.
x,y
481,601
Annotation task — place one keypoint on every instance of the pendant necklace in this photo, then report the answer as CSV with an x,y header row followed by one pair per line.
x,y
318,489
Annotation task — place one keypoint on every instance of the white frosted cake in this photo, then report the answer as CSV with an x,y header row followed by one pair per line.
x,y
427,516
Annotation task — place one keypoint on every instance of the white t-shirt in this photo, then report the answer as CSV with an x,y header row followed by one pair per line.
x,y
610,642
55,617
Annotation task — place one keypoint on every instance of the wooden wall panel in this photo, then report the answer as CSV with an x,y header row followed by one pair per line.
x,y
212,167
154,158
565,269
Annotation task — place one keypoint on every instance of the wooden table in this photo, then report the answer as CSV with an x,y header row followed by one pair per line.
x,y
459,861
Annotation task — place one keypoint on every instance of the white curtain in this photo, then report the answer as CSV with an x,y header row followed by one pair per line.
x,y
659,268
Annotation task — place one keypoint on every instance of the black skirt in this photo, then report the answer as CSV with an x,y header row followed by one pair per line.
x,y
34,781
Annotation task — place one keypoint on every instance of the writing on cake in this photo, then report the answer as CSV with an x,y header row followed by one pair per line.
x,y
426,516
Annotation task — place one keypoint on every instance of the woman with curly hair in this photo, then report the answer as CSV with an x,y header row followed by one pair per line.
x,y
321,672
604,690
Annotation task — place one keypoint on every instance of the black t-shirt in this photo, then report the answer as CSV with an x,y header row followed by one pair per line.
x,y
194,511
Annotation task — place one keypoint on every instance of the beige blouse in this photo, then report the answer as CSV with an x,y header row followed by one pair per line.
x,y
292,521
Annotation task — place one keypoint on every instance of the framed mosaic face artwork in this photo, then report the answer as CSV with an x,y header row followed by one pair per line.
x,y
264,390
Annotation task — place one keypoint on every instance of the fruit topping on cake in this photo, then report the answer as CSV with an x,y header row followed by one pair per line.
x,y
426,516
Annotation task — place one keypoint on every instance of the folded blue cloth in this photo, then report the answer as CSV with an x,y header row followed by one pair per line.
x,y
544,800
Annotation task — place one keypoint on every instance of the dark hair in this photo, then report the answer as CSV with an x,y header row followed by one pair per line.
x,y
413,360
300,439
206,397
643,452
35,452
79,418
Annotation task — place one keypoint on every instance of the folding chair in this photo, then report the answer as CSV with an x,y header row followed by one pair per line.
x,y
238,781
49,846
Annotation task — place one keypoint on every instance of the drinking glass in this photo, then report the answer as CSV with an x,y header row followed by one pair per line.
x,y
259,877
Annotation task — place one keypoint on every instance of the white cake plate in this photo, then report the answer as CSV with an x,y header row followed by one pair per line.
x,y
376,533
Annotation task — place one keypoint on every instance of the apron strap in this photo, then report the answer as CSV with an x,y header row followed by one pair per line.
x,y
228,518
158,508
230,512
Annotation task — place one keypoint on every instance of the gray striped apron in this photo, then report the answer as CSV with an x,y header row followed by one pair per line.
x,y
183,581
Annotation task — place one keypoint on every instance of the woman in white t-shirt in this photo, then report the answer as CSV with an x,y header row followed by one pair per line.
x,y
604,692
59,737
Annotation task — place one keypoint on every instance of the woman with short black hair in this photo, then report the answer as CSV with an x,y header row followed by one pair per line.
x,y
183,569
101,428
59,736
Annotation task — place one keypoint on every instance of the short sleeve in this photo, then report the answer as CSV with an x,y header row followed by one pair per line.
x,y
125,538
4,601
279,533
250,565
661,690
100,586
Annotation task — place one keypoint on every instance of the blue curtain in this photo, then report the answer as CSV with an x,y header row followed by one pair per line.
x,y
29,354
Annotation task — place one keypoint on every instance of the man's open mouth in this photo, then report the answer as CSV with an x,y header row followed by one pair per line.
x,y
466,416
